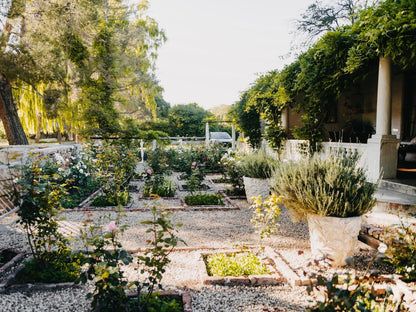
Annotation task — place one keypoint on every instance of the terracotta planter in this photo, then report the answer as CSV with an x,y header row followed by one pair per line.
x,y
333,237
255,187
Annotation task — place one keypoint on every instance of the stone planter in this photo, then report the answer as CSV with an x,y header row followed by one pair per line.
x,y
333,237
255,187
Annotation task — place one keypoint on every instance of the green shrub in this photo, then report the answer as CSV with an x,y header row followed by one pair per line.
x,y
334,187
158,303
122,198
204,199
158,185
258,165
236,264
53,267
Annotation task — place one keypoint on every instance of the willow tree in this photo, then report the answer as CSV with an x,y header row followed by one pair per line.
x,y
118,66
31,50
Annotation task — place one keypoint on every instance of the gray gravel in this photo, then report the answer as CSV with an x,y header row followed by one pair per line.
x,y
208,229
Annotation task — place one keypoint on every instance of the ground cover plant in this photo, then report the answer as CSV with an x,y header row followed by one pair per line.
x,y
234,264
204,199
106,257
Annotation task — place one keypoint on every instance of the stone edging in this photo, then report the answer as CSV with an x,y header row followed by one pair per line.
x,y
84,206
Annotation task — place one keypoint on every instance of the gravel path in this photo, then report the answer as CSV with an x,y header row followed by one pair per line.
x,y
206,229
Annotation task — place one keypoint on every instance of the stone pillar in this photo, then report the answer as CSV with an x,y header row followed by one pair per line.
x,y
285,119
142,150
206,134
383,122
383,147
233,136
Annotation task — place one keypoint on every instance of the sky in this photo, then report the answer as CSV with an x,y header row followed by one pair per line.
x,y
217,48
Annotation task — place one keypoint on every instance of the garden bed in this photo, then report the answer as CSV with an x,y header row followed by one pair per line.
x,y
269,278
14,267
182,297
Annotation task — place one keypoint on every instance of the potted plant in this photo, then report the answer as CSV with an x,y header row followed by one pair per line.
x,y
257,169
332,194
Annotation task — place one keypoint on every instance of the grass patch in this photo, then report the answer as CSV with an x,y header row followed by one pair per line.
x,y
204,199
234,264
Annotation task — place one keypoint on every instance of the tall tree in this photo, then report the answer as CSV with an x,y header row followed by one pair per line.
x,y
322,17
31,49
187,120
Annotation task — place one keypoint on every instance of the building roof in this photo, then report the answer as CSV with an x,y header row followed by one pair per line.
x,y
220,137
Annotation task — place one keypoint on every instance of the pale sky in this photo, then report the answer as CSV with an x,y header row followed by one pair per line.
x,y
217,48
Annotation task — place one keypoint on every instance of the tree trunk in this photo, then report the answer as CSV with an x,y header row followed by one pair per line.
x,y
8,114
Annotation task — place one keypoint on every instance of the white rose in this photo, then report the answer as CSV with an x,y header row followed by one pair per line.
x,y
382,248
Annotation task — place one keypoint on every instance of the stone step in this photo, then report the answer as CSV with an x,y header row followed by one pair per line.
x,y
395,185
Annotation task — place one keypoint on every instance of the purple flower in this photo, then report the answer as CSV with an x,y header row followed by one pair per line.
x,y
112,226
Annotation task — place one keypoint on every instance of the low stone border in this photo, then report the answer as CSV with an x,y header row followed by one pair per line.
x,y
252,280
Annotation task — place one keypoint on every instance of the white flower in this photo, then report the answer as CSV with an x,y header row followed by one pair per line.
x,y
408,269
382,248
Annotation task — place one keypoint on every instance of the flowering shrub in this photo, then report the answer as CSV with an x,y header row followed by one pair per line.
x,y
78,173
266,214
231,162
115,164
39,193
106,257
195,180
158,161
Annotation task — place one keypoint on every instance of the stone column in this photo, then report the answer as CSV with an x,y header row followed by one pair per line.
x,y
233,136
142,150
206,134
383,147
285,119
383,122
